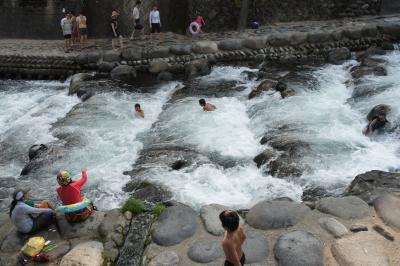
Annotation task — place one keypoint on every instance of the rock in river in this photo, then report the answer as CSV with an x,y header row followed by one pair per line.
x,y
346,208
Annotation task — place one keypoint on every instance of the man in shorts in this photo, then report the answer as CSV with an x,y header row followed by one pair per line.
x,y
66,26
136,20
115,31
155,21
82,25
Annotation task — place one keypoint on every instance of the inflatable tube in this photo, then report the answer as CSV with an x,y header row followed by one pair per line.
x,y
194,28
74,207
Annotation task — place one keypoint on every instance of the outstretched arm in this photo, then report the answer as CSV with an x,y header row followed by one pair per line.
x,y
82,181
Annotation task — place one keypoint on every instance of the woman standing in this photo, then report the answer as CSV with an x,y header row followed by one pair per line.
x,y
115,32
29,219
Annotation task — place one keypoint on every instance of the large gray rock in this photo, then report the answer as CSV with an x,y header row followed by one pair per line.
x,y
84,254
106,66
256,247
174,225
392,29
350,207
255,43
210,216
94,57
124,73
205,47
158,65
333,226
338,55
165,258
158,52
78,81
111,56
358,72
297,38
230,44
265,85
197,68
131,54
299,248
388,208
264,157
179,49
319,37
361,249
372,184
88,229
276,214
205,251
278,39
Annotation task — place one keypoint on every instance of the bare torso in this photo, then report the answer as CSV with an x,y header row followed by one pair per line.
x,y
209,107
232,245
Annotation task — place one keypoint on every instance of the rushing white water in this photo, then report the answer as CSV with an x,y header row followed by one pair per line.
x,y
105,135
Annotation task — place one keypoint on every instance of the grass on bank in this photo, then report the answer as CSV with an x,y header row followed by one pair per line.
x,y
158,209
133,205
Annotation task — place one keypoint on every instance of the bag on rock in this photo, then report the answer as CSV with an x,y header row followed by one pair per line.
x,y
33,246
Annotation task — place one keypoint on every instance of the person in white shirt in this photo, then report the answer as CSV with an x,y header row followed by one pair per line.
x,y
136,20
155,21
66,26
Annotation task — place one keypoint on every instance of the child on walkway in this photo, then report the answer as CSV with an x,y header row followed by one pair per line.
x,y
115,31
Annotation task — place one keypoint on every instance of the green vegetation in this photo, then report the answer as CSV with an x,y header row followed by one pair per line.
x,y
133,205
158,209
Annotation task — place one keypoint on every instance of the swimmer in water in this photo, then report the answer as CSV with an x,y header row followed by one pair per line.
x,y
207,107
376,123
139,110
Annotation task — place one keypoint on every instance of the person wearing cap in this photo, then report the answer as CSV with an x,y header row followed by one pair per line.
x,y
29,219
70,193
115,31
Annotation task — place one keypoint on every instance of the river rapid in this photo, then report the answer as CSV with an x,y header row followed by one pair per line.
x,y
105,135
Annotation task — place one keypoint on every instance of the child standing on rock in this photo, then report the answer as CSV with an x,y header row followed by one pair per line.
x,y
234,238
115,31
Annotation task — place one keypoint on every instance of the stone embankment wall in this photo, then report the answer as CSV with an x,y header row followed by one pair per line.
x,y
223,14
41,18
179,59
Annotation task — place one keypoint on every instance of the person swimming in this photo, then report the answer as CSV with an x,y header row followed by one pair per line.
x,y
139,110
234,238
376,123
207,107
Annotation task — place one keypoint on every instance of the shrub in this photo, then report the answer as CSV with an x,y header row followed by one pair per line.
x,y
158,209
133,205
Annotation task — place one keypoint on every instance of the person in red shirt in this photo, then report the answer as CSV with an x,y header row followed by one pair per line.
x,y
70,193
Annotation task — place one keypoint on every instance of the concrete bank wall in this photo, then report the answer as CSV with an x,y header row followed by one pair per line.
x,y
40,18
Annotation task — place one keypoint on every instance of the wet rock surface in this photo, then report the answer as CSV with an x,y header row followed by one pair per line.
x,y
205,251
333,226
84,254
276,214
256,247
388,208
350,207
166,258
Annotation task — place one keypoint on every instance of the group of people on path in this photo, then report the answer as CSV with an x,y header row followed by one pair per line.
x,y
74,30
29,217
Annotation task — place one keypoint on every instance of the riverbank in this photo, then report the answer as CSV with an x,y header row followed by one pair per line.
x,y
330,231
297,41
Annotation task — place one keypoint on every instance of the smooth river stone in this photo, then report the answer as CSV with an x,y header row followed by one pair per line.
x,y
255,247
388,208
333,226
165,258
299,248
174,225
346,208
210,216
205,251
276,214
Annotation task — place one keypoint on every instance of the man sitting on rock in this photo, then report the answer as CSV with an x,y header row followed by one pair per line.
x,y
207,107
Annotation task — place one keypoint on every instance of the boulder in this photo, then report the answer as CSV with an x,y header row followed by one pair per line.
x,y
319,37
256,247
93,57
165,258
278,40
287,93
333,226
131,54
174,225
380,109
388,208
82,58
111,56
205,251
369,31
297,38
179,49
230,44
84,254
148,192
388,46
158,65
352,33
391,29
165,76
265,85
177,165
36,150
106,66
358,72
210,216
88,229
264,157
298,248
276,214
158,52
255,43
350,207
123,73
338,55
78,81
373,184
205,47
197,68
361,249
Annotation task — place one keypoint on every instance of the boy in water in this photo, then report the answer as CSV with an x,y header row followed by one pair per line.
x,y
139,110
207,107
234,238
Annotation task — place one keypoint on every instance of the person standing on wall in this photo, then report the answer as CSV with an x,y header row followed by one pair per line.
x,y
136,20
155,21
66,26
75,30
82,25
115,32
